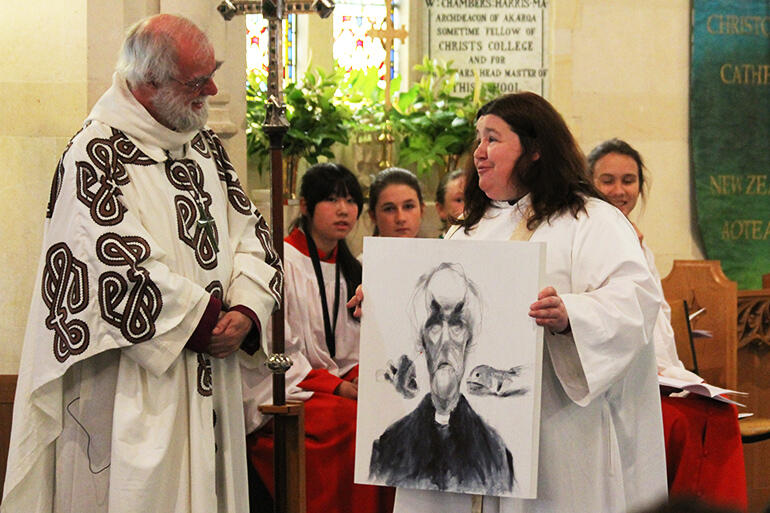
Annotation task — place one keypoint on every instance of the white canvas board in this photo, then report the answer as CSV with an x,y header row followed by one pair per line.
x,y
427,435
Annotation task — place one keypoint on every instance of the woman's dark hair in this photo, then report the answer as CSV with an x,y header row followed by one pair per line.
x,y
390,176
551,167
442,184
321,182
621,147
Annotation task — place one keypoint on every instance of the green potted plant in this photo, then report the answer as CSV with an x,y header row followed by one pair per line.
x,y
316,121
436,126
362,91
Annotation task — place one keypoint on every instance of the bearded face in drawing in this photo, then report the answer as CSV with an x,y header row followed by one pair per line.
x,y
447,314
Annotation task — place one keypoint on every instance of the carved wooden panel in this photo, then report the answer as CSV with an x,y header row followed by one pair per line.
x,y
754,317
754,378
703,285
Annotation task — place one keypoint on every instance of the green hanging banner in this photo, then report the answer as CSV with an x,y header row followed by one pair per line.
x,y
730,134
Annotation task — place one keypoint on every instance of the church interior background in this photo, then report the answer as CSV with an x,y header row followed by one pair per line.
x,y
618,69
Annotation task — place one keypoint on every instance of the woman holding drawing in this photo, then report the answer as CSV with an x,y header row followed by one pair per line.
x,y
619,173
322,340
601,439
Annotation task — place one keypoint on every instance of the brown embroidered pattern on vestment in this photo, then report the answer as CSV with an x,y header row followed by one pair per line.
x,y
271,256
65,292
191,232
110,157
235,195
200,146
58,176
216,289
204,376
133,307
103,203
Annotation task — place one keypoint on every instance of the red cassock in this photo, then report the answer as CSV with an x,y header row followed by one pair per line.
x,y
704,452
330,438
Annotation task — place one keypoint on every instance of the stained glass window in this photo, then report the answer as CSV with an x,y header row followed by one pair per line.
x,y
353,49
257,45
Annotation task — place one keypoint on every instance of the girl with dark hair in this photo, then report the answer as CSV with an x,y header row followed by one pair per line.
x,y
601,439
336,193
619,173
395,203
322,340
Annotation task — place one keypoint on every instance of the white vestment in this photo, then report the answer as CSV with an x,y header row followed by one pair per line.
x,y
305,338
666,357
112,412
601,435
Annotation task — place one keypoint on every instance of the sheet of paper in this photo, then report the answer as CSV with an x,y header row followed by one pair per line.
x,y
704,389
450,363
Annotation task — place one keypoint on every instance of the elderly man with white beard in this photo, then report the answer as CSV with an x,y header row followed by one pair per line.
x,y
157,274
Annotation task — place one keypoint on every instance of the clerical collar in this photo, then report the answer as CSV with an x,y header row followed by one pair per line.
x,y
441,418
520,202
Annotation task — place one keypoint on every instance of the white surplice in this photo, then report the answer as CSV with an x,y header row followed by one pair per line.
x,y
601,435
112,412
666,356
304,314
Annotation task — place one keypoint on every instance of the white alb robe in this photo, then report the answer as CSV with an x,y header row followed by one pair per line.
x,y
601,435
112,412
666,356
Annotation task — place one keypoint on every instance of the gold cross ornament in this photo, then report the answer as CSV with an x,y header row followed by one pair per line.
x,y
387,37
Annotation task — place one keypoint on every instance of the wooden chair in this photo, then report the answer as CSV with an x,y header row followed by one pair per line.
x,y
754,429
703,285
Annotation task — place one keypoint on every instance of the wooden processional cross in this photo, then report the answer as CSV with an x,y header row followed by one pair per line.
x,y
387,33
289,428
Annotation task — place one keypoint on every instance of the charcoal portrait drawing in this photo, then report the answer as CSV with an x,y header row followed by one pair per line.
x,y
443,443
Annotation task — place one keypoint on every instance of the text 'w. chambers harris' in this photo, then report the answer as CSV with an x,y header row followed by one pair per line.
x,y
488,4
500,41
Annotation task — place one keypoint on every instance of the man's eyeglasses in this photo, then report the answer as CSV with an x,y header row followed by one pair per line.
x,y
197,85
